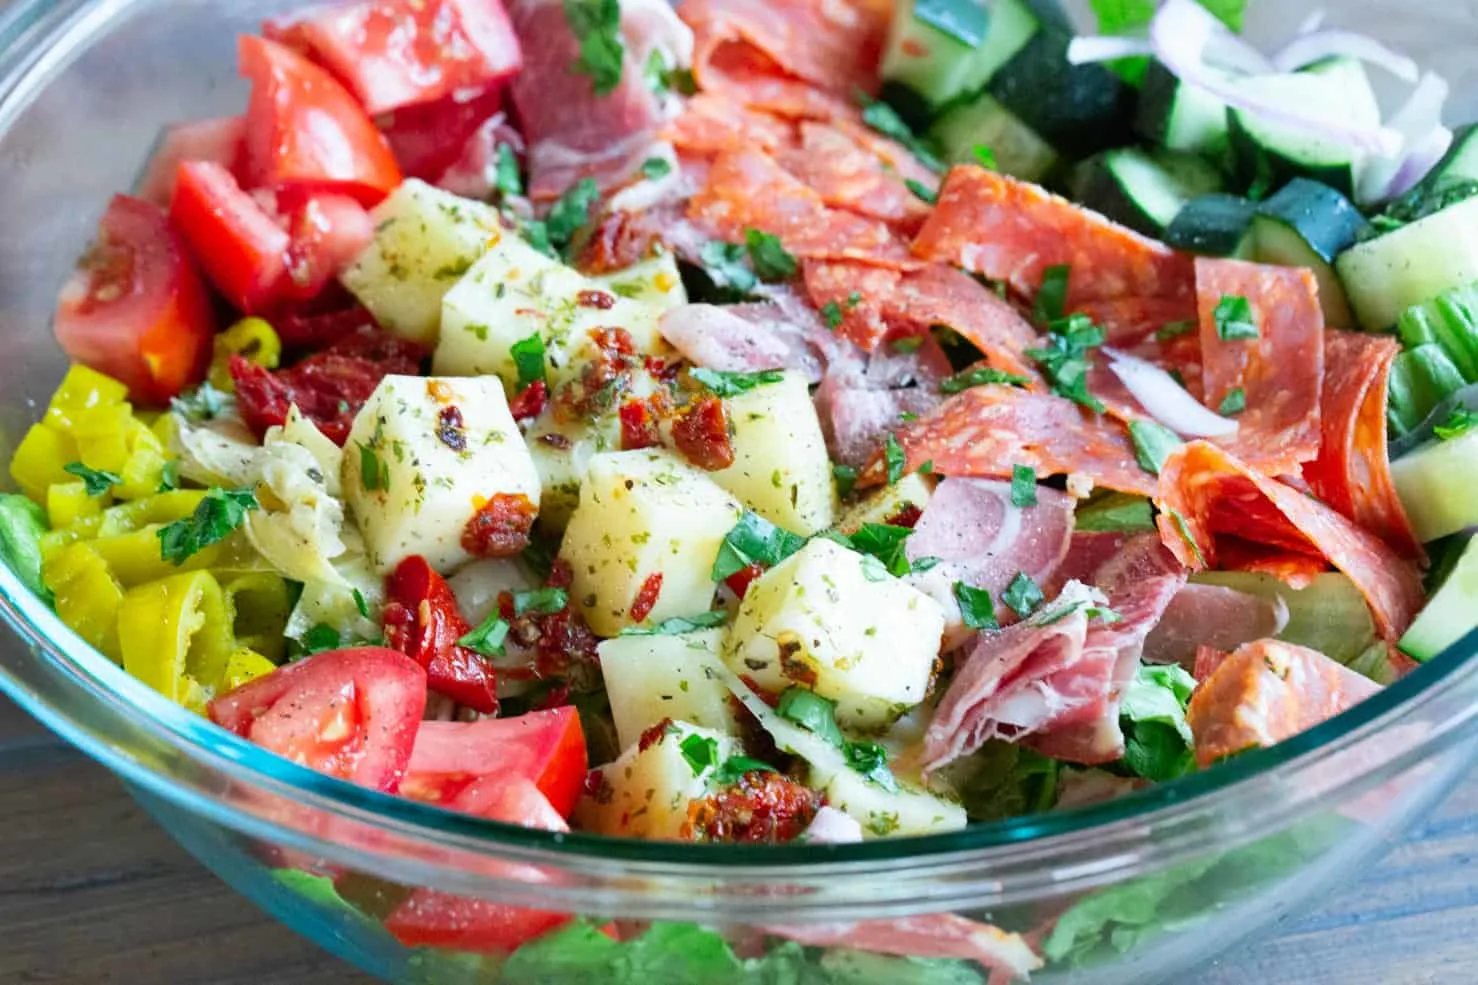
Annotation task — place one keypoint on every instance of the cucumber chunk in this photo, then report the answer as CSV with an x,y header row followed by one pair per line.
x,y
1386,275
1215,225
1181,117
1454,178
1450,615
982,122
1436,484
1308,224
1143,190
1078,109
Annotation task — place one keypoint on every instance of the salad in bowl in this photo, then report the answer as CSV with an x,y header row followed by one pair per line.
x,y
771,423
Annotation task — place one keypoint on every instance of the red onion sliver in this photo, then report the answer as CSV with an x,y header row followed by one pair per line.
x,y
1419,122
1421,159
1310,48
1166,400
1086,51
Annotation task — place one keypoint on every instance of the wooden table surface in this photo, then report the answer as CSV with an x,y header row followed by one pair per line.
x,y
92,893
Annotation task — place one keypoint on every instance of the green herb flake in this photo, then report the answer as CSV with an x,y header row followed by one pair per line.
x,y
1023,595
530,358
1174,330
985,157
832,313
361,603
812,712
894,458
542,601
219,515
772,262
320,639
656,168
1153,443
571,213
1184,528
733,769
754,541
679,625
886,121
1023,486
1235,319
725,265
980,376
724,384
1458,423
1065,360
977,608
700,751
922,191
374,472
508,179
98,483
596,25
885,542
871,760
488,638
907,345
1051,302
846,479
169,476
1235,402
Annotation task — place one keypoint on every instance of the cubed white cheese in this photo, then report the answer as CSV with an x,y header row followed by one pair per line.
x,y
887,814
653,678
655,281
516,292
646,793
881,505
645,515
829,619
413,481
425,241
781,467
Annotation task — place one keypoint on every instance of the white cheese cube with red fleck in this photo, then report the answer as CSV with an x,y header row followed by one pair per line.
x,y
515,293
832,620
898,813
425,241
889,503
423,458
648,528
655,281
647,792
653,678
781,467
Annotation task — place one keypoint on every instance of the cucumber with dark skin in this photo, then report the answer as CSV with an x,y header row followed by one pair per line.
x,y
1144,190
1217,225
1077,109
1308,224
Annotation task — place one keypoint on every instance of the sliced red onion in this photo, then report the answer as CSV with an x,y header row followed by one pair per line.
x,y
1166,400
1182,32
1306,49
1419,122
1087,51
832,827
1420,160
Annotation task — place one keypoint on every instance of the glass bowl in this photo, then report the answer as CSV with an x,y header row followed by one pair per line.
x,y
1146,886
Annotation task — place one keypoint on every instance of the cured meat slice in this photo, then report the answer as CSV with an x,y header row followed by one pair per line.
x,y
1293,568
748,190
1206,494
858,292
1352,472
739,339
1128,321
1012,231
1280,370
711,124
848,175
1266,692
984,431
929,935
861,401
942,295
746,77
1212,616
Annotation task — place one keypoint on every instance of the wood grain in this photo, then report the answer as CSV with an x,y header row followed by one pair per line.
x,y
92,893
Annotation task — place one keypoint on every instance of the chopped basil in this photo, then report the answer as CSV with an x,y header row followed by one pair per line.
x,y
724,264
204,404
679,625
361,603
1109,616
733,384
700,751
98,483
894,458
374,472
1184,528
886,121
1116,513
1235,319
1065,360
596,25
1235,402
812,712
656,168
320,639
754,541
1153,443
219,515
846,478
887,543
985,157
1051,303
542,601
569,215
1174,330
488,638
508,179
732,770
967,21
977,609
922,191
529,358
832,312
1023,595
1459,422
1023,486
980,376
772,262
871,760
169,476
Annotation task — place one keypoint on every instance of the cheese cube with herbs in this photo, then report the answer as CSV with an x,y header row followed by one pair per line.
x,y
834,621
653,678
424,458
643,540
655,281
898,813
647,792
781,467
889,504
425,241
518,307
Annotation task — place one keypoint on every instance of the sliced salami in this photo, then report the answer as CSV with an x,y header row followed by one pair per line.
x,y
941,295
850,176
984,431
1353,470
1128,321
711,125
1207,494
852,295
1279,370
1295,569
1012,231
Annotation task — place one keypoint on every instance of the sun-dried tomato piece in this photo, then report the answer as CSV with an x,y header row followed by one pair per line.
x,y
501,527
701,432
596,299
638,426
531,402
740,581
761,808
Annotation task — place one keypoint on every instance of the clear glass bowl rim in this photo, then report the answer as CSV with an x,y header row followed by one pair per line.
x,y
37,40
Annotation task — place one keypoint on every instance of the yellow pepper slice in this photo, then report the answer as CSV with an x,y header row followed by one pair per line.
x,y
245,666
260,607
68,503
104,436
159,508
87,595
177,632
143,469
41,460
82,392
251,338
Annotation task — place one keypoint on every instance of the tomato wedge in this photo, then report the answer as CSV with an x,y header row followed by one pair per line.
x,y
352,714
304,129
422,619
545,747
327,233
221,141
241,246
429,138
136,309
396,53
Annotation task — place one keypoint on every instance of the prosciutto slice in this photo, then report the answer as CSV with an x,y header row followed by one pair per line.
x,y
1266,692
740,339
863,397
929,935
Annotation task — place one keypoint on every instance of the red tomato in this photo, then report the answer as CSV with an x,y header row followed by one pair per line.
x,y
352,714
304,129
221,141
136,309
422,619
546,747
328,233
431,137
243,249
395,53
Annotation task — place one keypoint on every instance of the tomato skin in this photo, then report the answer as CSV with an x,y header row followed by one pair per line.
x,y
304,129
353,714
740,580
136,308
397,53
242,248
545,747
429,138
220,141
422,620
327,233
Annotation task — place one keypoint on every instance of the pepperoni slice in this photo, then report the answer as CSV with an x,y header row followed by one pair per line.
x,y
1012,231
942,295
1280,372
711,124
1294,569
848,175
985,431
1353,470
1129,321
1207,494
858,291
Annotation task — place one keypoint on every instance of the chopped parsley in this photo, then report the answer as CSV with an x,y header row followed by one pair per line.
x,y
832,312
812,712
1153,443
894,458
219,514
1116,513
1065,360
679,625
1235,402
724,384
488,638
1458,423
1184,528
1051,302
541,601
374,472
846,479
169,476
725,266
596,24
871,760
1235,319
922,191
732,770
204,404
885,542
529,358
1023,486
700,751
361,603
566,218
886,121
754,541
977,608
320,639
985,157
1174,330
97,482
907,345
656,168
1023,595
980,376
772,262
